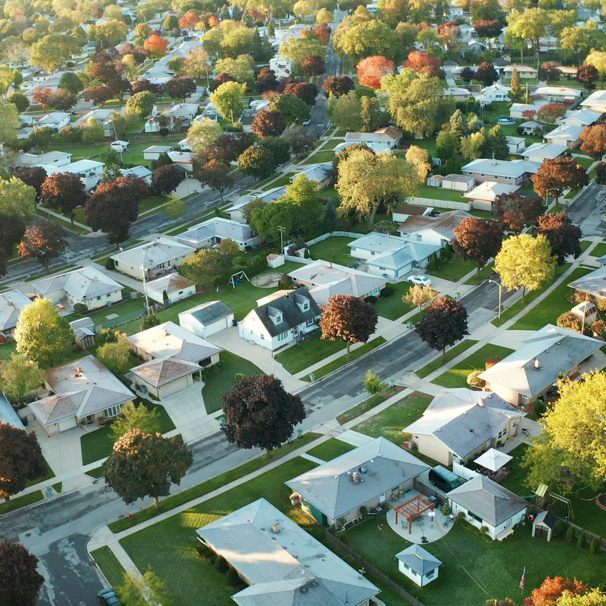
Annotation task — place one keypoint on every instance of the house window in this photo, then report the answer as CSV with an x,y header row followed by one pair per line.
x,y
430,574
305,306
113,411
310,322
282,336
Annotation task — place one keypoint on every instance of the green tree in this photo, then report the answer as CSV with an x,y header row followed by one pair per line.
x,y
229,100
420,159
372,114
473,145
530,25
9,122
242,68
71,82
457,124
143,590
42,335
51,51
202,134
308,208
365,39
132,417
345,112
373,383
18,199
19,376
598,60
175,206
578,42
515,87
141,104
116,356
293,109
207,267
419,295
525,262
298,49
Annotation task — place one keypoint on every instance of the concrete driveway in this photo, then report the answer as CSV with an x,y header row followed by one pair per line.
x,y
186,409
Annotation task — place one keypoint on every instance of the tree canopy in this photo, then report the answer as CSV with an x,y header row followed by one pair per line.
x,y
477,240
21,581
43,240
444,323
563,235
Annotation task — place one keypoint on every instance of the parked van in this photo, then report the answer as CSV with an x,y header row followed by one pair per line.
x,y
444,479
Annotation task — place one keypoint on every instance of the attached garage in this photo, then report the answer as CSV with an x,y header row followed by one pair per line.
x,y
207,319
164,377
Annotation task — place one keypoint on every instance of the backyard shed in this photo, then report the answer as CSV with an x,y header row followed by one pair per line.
x,y
418,565
543,525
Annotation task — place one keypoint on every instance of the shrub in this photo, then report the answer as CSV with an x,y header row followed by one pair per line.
x,y
570,534
232,578
387,291
446,509
484,530
221,565
109,264
558,529
570,321
371,299
581,541
285,283
363,510
539,408
80,308
460,516
493,361
202,550
473,379
594,546
212,557
597,327
149,321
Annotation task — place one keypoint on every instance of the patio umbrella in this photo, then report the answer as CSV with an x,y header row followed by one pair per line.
x,y
493,459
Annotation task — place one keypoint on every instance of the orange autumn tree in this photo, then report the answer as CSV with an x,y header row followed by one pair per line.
x,y
552,589
372,69
156,45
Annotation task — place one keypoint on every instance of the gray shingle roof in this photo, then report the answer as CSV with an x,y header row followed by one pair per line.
x,y
593,283
161,371
210,312
419,560
11,304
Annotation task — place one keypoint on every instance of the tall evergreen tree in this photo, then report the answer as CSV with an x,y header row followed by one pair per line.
x,y
515,86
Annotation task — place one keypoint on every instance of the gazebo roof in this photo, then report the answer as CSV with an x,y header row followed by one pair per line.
x,y
493,459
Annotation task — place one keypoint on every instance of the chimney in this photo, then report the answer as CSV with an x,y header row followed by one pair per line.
x,y
355,477
275,527
537,363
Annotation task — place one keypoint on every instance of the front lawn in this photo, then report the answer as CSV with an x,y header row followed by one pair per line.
x,y
219,379
450,354
110,566
599,250
22,501
457,375
330,449
454,269
368,404
552,306
321,156
390,422
302,355
333,249
393,307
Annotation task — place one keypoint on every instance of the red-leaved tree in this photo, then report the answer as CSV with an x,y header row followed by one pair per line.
x,y
554,176
478,240
563,235
155,45
21,581
372,69
43,240
424,63
552,589
444,323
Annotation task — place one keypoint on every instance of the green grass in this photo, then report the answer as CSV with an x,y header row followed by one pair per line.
x,y
18,502
332,144
7,350
333,249
393,307
485,272
330,449
283,180
219,379
585,244
552,306
368,404
321,156
390,422
58,487
308,352
97,472
47,475
440,193
343,360
66,223
98,444
213,484
110,566
599,250
125,309
454,269
457,375
584,162
450,354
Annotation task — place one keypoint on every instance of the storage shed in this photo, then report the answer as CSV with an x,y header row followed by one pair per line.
x,y
543,525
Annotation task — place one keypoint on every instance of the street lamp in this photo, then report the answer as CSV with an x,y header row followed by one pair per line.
x,y
500,293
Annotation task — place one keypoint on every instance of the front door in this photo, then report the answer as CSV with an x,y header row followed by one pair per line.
x,y
90,419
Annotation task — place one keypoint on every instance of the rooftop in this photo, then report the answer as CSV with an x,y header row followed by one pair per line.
x,y
82,284
210,312
11,304
152,254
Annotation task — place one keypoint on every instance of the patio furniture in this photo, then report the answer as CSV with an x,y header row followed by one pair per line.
x,y
413,509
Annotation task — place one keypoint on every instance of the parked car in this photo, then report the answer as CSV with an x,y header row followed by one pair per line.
x,y
506,120
422,280
108,597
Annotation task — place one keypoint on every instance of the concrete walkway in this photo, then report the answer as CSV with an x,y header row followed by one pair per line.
x,y
354,438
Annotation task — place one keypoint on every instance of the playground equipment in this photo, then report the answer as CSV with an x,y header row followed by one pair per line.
x,y
238,278
544,495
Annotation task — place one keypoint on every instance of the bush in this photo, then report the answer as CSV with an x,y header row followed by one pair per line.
x,y
212,557
202,550
232,578
446,509
539,408
80,308
363,510
594,546
371,299
473,379
285,283
492,361
221,565
581,540
570,321
597,327
558,529
460,516
109,264
570,534
387,291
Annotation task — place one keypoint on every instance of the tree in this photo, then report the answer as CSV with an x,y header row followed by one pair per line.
x,y
197,64
141,104
554,176
419,295
145,465
268,124
364,39
591,598
549,72
552,589
488,29
144,85
180,87
348,318
467,74
175,206
116,355
241,68
444,323
525,262
529,26
551,112
215,174
258,161
306,91
20,101
346,111
228,147
366,180
372,383
155,45
515,91
486,73
202,134
424,63
301,142
166,179
372,69
134,417
477,240
563,235
587,75
18,199
33,176
517,211
313,65
593,139
98,94
420,159
43,240
297,49
9,122
71,82
51,51
260,413
19,376
63,192
12,229
229,100
577,42
140,591
266,80
21,581
293,109
338,85
207,267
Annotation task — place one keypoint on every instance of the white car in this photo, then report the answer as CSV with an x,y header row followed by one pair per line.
x,y
422,280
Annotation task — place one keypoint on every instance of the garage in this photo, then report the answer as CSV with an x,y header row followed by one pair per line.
x,y
207,319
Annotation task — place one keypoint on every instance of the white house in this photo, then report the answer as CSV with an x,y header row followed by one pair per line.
x,y
513,172
170,288
103,116
487,504
153,152
517,110
56,120
453,181
281,67
85,286
53,158
207,319
183,113
138,172
524,71
89,171
516,145
236,210
482,196
495,93
418,565
185,160
539,152
383,139
557,93
12,302
119,146
213,231
596,101
154,259
435,230
286,317
567,135
580,117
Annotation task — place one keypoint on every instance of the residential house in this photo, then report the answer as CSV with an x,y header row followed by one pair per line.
x,y
509,172
539,152
81,392
236,210
365,477
89,171
325,279
172,356
568,71
518,110
474,46
207,319
103,116
495,93
405,211
286,318
595,102
528,373
53,158
482,196
454,182
119,146
138,172
183,113
557,93
184,160
384,139
322,173
436,230
213,231
57,120
86,286
153,152
524,71
531,127
170,289
593,284
8,414
460,423
516,145
390,256
12,302
457,93
184,145
580,117
418,565
281,67
487,504
566,135
152,259
281,563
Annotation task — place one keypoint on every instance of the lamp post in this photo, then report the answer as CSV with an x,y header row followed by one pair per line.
x,y
500,293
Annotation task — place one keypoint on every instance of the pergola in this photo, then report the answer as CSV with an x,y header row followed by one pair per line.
x,y
414,508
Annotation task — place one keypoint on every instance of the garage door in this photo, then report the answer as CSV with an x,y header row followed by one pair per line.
x,y
67,423
215,327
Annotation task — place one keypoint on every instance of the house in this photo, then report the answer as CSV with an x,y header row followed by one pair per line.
x,y
595,102
84,332
390,256
510,172
568,71
280,562
557,93
89,171
81,392
495,93
11,304
405,211
285,318
487,504
103,117
152,259
236,210
518,110
516,145
531,127
383,139
170,288
524,71
8,414
581,117
321,173
567,135
213,231
457,93
365,477
418,565
184,145
528,373
153,152
461,423
183,113
57,120
593,284
325,279
539,152
453,182
138,172
482,196
86,286
53,158
281,67
475,46
436,230
172,356
207,319
184,160
119,146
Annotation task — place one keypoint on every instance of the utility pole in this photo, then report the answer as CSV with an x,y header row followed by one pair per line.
x,y
145,289
500,293
282,230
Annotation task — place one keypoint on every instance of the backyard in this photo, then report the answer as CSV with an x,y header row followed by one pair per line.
x,y
333,249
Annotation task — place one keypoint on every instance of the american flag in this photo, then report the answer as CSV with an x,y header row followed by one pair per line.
x,y
523,580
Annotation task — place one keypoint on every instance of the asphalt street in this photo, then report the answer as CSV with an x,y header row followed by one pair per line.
x,y
587,210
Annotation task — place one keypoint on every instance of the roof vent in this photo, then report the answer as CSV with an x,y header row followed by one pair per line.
x,y
77,371
355,477
362,469
537,363
275,527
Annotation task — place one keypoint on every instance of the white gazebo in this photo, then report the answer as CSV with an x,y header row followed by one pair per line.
x,y
493,459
